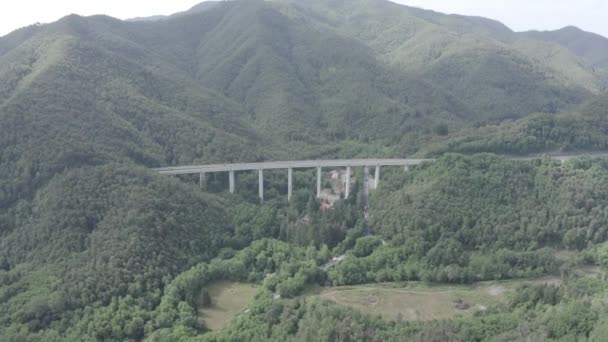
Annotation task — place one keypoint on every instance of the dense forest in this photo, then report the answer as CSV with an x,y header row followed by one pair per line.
x,y
581,129
96,246
117,273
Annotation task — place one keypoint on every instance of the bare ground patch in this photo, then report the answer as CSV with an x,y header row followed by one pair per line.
x,y
227,300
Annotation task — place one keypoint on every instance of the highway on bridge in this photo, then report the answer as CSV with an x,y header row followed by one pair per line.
x,y
298,164
319,164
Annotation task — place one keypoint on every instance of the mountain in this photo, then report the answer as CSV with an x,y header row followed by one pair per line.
x,y
89,104
413,70
481,62
592,47
254,79
78,93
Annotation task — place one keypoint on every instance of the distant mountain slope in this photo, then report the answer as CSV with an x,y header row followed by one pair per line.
x,y
479,61
307,81
76,94
589,46
268,55
301,81
465,24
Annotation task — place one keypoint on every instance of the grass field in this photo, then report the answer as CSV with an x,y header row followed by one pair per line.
x,y
227,300
418,301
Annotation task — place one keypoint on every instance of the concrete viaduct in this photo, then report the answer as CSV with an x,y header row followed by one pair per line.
x,y
319,164
201,170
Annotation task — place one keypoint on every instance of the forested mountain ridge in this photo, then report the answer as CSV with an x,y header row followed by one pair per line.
x,y
582,129
589,46
95,246
475,59
68,99
390,70
223,82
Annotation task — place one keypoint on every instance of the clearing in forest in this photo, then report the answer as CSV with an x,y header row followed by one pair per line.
x,y
417,302
227,300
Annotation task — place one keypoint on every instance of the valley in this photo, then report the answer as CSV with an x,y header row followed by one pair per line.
x,y
205,176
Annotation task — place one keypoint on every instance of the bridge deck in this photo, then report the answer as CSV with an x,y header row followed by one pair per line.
x,y
302,164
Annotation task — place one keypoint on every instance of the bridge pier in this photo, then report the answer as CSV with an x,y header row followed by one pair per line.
x,y
366,193
318,182
231,180
202,170
261,184
377,177
289,183
347,187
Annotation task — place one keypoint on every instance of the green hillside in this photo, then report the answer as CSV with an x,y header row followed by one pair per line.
x,y
589,46
71,96
95,246
459,220
581,129
312,74
479,61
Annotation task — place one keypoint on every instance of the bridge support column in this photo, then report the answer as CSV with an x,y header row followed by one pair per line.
x,y
202,181
231,180
261,184
289,183
318,182
377,177
347,187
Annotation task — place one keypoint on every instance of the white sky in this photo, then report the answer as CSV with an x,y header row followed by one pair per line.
x,y
590,15
522,15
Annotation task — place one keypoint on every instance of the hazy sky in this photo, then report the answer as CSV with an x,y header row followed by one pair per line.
x,y
521,15
590,15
